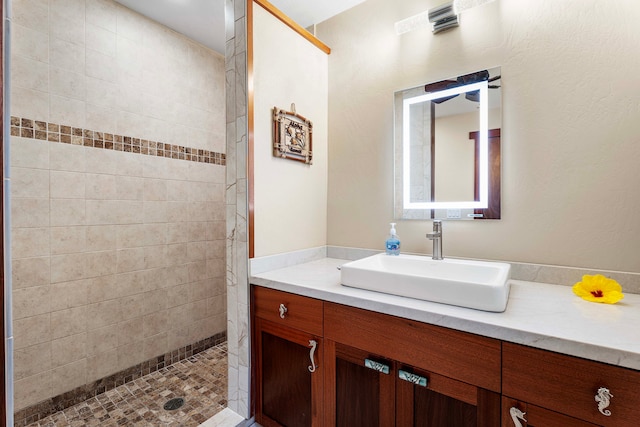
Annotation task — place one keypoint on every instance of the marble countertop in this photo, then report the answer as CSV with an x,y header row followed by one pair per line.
x,y
545,316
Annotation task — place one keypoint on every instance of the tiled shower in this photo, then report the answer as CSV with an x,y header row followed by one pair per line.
x,y
118,197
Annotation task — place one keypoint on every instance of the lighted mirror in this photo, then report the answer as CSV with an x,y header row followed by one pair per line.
x,y
447,148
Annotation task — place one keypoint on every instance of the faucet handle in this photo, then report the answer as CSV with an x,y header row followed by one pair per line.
x,y
437,225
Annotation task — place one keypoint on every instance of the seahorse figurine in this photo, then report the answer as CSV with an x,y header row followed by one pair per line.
x,y
516,416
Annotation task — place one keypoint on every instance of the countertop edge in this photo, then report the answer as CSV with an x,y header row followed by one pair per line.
x,y
599,353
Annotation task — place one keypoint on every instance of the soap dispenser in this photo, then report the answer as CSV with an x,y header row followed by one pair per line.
x,y
393,243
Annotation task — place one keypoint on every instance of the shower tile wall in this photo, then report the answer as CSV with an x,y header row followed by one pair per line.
x,y
117,256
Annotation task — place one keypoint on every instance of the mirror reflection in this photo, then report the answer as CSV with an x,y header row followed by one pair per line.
x,y
447,148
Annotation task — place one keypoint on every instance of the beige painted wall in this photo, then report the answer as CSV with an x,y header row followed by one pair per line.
x,y
571,134
290,197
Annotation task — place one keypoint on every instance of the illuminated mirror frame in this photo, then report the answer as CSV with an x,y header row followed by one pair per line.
x,y
483,152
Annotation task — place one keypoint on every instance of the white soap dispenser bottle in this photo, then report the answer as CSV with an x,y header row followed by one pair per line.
x,y
393,242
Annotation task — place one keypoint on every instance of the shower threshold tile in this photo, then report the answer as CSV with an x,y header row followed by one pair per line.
x,y
200,381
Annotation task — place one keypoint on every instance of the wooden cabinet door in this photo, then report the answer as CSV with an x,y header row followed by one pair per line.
x,y
288,393
426,399
534,416
359,389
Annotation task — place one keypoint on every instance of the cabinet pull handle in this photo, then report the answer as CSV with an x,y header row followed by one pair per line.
x,y
313,344
516,416
603,397
412,378
283,310
376,366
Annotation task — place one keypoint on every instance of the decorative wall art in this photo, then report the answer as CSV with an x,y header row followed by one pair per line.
x,y
292,135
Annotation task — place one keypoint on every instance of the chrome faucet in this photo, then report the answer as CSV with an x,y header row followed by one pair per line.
x,y
436,236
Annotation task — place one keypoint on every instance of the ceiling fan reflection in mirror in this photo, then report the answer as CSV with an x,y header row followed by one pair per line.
x,y
474,96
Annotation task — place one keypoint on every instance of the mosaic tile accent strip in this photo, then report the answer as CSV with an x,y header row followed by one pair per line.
x,y
39,411
53,132
201,380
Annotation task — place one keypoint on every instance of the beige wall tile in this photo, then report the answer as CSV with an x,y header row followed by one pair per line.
x,y
66,55
101,66
101,365
67,111
155,234
155,278
31,390
177,254
28,182
131,283
100,263
68,349
67,84
216,230
131,331
29,242
66,212
101,40
29,103
100,186
177,295
67,377
73,10
177,275
103,288
176,211
177,232
197,231
130,259
130,165
30,43
215,267
154,211
102,93
216,305
62,25
101,118
67,295
155,189
178,337
29,73
129,25
216,249
30,212
64,157
155,345
68,322
29,153
130,355
132,306
102,339
27,272
67,267
102,161
67,185
155,301
31,330
129,188
29,302
154,256
65,240
101,237
102,13
197,271
31,13
102,212
154,324
196,251
177,191
103,314
130,236
32,360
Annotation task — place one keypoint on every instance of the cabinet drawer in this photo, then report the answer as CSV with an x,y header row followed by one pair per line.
x,y
569,385
459,355
297,312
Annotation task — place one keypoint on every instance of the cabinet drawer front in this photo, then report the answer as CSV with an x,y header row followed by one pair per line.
x,y
298,312
454,354
569,385
538,417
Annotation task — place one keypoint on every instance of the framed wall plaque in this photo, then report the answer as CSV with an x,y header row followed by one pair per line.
x,y
292,135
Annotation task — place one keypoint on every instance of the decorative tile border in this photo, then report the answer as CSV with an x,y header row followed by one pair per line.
x,y
52,405
53,132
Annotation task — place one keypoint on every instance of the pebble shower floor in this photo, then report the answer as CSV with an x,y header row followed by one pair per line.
x,y
201,380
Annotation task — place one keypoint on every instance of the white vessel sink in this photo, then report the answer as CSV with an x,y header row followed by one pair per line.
x,y
472,284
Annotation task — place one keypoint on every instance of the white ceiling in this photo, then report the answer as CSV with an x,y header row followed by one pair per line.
x,y
203,20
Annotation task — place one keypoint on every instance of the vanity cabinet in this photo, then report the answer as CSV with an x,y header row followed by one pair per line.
x,y
559,390
288,345
325,364
383,370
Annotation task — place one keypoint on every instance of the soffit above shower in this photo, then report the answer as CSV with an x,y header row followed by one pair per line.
x,y
203,20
